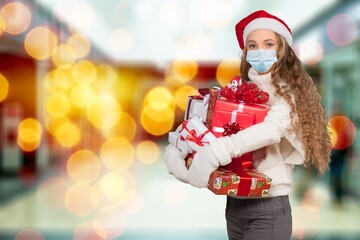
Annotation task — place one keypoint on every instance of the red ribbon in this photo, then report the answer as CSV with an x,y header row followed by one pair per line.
x,y
239,163
193,135
246,163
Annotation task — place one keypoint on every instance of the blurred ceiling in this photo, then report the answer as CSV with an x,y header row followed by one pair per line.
x,y
159,30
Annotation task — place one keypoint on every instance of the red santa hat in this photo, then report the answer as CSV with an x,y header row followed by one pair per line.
x,y
261,20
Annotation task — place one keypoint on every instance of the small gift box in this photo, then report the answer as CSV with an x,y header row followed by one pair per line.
x,y
195,133
225,123
177,140
247,182
258,110
196,107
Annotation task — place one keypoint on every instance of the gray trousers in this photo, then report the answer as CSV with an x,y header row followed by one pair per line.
x,y
259,219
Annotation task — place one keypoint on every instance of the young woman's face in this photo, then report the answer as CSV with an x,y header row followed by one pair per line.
x,y
261,39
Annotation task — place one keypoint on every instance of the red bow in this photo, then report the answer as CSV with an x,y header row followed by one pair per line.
x,y
231,128
192,137
247,92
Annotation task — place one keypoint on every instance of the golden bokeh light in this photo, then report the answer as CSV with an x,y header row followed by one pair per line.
x,y
110,221
126,128
104,112
29,134
68,134
16,17
4,87
106,77
84,71
57,80
40,43
83,166
82,94
58,105
183,70
226,70
157,118
53,123
64,56
112,186
81,199
160,95
117,154
182,94
147,152
120,40
81,44
2,25
52,192
116,188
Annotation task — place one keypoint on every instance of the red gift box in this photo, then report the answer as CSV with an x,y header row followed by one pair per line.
x,y
238,178
258,110
223,119
245,115
247,182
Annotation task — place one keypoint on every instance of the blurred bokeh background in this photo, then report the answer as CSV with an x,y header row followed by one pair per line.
x,y
89,90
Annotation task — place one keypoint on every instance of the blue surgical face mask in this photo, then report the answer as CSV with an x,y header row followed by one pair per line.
x,y
261,59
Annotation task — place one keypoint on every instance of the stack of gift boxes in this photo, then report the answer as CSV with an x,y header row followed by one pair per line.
x,y
219,112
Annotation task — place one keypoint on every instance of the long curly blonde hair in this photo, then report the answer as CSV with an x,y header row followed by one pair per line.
x,y
307,113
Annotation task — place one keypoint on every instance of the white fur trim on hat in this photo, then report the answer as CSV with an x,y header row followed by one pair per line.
x,y
270,24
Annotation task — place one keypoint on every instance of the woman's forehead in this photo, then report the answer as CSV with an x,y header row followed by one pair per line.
x,y
261,34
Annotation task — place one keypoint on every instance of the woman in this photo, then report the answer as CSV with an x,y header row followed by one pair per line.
x,y
294,132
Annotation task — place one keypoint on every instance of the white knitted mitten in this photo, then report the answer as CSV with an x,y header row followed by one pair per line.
x,y
203,164
175,163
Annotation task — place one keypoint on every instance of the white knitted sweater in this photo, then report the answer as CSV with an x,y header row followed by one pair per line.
x,y
276,147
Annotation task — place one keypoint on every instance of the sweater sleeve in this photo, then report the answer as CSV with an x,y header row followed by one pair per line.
x,y
260,135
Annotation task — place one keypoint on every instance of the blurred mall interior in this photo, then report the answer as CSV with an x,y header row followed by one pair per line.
x,y
89,90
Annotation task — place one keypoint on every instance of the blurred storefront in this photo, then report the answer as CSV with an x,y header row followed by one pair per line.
x,y
333,60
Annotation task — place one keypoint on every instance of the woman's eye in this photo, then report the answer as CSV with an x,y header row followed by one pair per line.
x,y
252,46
